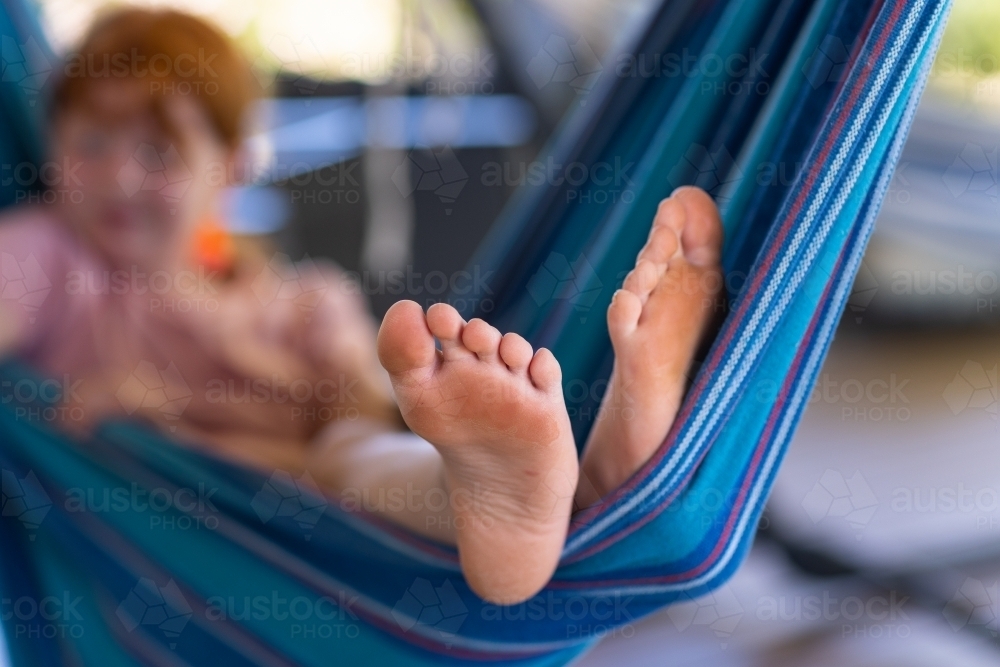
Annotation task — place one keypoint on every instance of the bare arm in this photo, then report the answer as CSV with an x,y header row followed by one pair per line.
x,y
13,329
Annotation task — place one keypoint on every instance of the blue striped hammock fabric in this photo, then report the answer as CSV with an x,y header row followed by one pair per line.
x,y
254,569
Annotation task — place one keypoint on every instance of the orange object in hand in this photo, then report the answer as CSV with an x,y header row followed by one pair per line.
x,y
214,247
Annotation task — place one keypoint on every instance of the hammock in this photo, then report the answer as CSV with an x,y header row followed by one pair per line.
x,y
267,571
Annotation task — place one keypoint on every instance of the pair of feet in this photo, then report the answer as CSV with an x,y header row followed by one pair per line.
x,y
494,408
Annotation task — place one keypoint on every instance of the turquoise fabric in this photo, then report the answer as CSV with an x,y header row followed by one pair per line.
x,y
843,79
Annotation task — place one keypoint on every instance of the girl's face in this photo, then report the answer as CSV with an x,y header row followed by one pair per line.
x,y
142,189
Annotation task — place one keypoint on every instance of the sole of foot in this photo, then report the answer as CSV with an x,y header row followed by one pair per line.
x,y
656,322
494,410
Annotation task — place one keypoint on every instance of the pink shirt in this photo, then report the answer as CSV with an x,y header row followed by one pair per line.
x,y
259,357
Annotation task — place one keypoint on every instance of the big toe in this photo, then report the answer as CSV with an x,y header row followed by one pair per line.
x,y
404,341
701,237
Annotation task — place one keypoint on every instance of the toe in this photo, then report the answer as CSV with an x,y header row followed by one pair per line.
x,y
623,314
670,214
642,279
481,338
544,370
446,325
702,234
515,352
662,245
404,341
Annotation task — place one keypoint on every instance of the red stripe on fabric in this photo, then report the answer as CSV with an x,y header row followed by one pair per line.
x,y
752,469
768,260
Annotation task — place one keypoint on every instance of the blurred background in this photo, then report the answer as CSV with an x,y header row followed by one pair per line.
x,y
397,131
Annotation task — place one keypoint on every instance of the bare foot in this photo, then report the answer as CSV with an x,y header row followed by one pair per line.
x,y
656,322
495,412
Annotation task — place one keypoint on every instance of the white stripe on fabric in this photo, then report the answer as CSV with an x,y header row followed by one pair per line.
x,y
816,353
757,340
